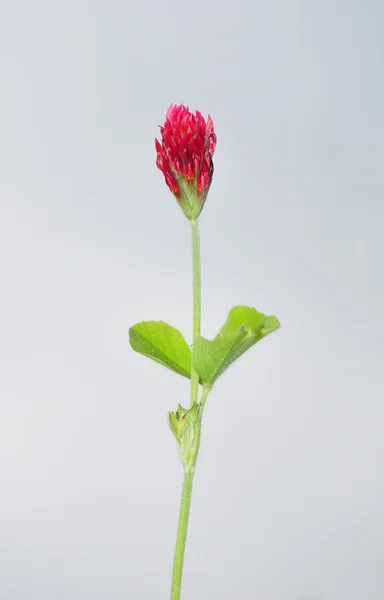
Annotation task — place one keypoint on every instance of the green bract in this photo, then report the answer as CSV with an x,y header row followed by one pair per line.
x,y
185,425
243,328
177,422
164,344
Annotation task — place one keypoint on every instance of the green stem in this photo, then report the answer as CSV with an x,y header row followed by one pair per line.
x,y
188,473
184,508
181,535
196,304
206,390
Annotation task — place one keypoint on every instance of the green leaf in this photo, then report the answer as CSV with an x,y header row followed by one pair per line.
x,y
243,328
162,343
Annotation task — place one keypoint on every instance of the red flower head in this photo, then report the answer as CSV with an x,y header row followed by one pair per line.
x,y
185,157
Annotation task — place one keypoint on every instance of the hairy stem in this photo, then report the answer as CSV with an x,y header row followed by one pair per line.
x,y
181,536
188,472
196,305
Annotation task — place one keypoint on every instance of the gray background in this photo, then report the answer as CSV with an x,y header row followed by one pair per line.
x,y
289,490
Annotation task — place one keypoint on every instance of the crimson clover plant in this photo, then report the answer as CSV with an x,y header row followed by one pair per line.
x,y
184,156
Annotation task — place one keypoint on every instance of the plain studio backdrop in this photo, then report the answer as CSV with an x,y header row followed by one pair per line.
x,y
289,489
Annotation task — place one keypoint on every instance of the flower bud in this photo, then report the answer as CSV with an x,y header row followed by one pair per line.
x,y
185,157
